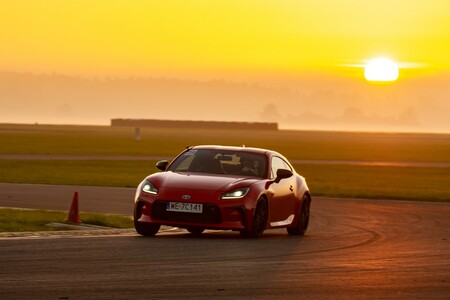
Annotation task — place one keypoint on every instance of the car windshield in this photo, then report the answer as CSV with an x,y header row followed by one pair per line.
x,y
213,161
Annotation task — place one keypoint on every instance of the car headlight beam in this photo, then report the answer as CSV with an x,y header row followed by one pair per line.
x,y
235,194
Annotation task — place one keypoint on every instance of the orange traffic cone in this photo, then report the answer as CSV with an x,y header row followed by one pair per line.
x,y
72,215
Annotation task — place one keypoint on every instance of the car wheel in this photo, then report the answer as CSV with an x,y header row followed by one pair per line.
x,y
303,218
145,229
195,230
259,220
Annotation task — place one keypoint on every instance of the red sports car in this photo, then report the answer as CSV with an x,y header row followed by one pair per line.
x,y
230,188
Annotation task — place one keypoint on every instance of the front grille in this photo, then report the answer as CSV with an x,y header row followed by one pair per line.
x,y
210,215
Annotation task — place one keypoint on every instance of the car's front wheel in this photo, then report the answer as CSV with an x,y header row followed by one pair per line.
x,y
303,218
145,229
260,218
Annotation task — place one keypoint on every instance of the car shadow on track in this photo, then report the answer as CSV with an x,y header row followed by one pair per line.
x,y
220,235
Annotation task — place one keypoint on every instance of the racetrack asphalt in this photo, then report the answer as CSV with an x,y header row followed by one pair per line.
x,y
354,249
114,200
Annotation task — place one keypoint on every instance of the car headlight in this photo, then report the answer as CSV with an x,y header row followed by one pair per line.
x,y
236,194
149,188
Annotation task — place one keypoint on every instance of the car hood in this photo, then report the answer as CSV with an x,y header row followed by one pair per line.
x,y
199,181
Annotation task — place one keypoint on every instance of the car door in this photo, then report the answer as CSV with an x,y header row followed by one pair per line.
x,y
282,203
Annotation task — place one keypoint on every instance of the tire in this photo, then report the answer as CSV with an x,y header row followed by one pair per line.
x,y
145,229
260,218
303,218
195,230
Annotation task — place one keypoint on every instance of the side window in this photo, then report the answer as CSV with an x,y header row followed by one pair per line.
x,y
278,163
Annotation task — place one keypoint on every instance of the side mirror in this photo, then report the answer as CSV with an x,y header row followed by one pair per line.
x,y
282,174
162,164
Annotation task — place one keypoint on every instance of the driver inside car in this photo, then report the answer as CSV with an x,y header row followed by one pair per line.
x,y
250,167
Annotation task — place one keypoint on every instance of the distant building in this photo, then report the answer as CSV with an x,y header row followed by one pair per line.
x,y
193,124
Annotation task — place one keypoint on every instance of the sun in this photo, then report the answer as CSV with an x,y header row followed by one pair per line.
x,y
381,69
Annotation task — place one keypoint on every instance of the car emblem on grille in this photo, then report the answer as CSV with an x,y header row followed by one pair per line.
x,y
186,197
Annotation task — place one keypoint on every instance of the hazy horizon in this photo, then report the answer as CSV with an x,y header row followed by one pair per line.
x,y
307,103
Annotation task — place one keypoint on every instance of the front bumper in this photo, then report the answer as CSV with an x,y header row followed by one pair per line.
x,y
214,216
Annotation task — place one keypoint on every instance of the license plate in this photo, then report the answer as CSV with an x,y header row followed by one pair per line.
x,y
185,207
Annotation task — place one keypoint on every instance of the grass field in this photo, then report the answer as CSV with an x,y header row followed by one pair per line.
x,y
17,220
105,140
415,183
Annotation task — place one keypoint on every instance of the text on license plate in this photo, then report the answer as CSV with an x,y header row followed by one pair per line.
x,y
185,207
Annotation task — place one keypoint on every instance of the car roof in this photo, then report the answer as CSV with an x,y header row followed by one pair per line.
x,y
234,148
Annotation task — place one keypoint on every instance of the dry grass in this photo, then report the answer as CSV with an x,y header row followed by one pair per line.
x,y
105,140
15,220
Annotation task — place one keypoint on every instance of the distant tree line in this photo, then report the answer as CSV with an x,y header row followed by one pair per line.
x,y
193,124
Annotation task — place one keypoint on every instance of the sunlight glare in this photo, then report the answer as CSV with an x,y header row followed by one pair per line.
x,y
381,69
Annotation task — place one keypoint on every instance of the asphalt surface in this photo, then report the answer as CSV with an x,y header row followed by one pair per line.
x,y
357,249
59,197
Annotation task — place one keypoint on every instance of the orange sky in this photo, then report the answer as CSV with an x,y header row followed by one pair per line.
x,y
272,43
